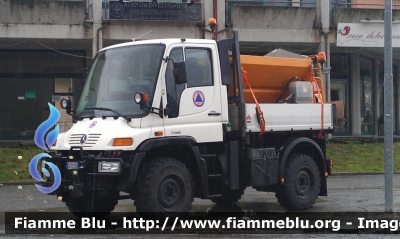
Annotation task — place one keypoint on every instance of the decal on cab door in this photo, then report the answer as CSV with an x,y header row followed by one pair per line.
x,y
198,98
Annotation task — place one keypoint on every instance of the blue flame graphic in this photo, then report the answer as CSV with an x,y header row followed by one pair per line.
x,y
40,142
35,174
45,126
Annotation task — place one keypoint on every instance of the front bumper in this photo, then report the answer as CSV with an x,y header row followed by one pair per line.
x,y
82,171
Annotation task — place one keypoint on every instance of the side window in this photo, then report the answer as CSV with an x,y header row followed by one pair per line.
x,y
198,65
173,91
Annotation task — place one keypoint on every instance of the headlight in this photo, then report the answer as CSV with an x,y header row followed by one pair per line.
x,y
65,103
109,167
141,97
138,98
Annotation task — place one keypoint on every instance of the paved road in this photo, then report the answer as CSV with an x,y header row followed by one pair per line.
x,y
349,193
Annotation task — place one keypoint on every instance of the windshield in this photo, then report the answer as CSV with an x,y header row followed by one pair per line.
x,y
116,75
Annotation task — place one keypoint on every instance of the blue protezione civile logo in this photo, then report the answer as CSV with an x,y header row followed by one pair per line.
x,y
45,141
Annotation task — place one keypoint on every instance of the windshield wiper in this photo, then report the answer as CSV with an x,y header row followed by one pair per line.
x,y
86,116
107,109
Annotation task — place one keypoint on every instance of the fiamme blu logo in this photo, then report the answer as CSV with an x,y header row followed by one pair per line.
x,y
44,138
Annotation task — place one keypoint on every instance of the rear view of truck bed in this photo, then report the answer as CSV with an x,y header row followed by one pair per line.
x,y
287,87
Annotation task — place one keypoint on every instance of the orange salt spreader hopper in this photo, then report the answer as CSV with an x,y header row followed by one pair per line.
x,y
268,75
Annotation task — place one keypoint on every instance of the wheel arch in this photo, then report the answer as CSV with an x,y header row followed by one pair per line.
x,y
306,146
183,149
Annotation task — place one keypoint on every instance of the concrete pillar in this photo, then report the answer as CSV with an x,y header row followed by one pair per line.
x,y
355,92
221,19
323,21
97,24
325,15
207,14
318,7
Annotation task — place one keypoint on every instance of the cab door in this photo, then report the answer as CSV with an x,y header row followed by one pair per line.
x,y
194,108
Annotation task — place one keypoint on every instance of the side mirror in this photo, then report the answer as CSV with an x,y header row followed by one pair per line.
x,y
180,72
66,105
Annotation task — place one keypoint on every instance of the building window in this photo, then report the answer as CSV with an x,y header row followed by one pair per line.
x,y
340,87
367,111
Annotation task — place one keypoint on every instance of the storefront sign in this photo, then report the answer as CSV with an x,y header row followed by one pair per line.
x,y
365,35
155,11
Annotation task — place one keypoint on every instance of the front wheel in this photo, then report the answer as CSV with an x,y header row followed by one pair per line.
x,y
165,185
96,206
302,183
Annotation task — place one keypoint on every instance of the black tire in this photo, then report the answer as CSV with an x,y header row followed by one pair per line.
x,y
302,183
99,206
165,185
228,197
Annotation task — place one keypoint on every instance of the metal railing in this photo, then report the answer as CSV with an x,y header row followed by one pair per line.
x,y
284,3
334,4
344,4
278,3
106,4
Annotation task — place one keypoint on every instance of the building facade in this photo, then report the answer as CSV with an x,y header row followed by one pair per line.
x,y
46,44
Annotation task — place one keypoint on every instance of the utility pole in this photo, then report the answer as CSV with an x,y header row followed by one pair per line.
x,y
388,108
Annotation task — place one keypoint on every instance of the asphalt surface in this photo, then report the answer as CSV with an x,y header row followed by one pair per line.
x,y
346,193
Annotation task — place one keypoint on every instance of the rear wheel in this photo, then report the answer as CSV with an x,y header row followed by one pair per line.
x,y
165,185
302,183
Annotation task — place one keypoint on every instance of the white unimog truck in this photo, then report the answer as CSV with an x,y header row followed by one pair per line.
x,y
172,119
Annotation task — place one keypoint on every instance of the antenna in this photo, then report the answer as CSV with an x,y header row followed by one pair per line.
x,y
141,35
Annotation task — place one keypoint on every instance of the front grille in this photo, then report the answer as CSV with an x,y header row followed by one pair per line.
x,y
91,140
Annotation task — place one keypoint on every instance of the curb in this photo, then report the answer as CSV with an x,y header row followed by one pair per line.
x,y
338,174
359,173
15,183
